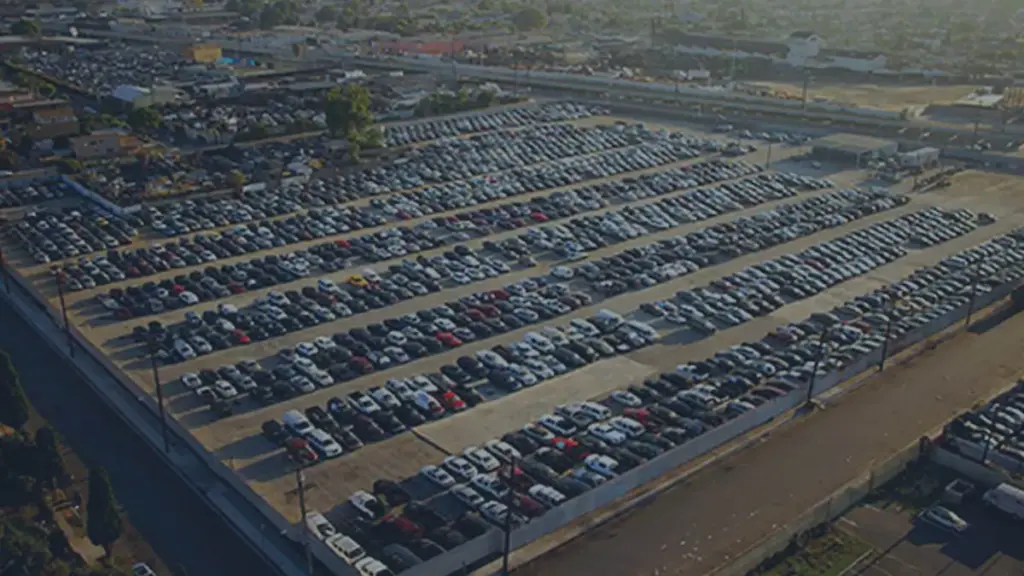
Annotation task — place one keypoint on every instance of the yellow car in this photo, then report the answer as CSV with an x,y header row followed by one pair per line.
x,y
358,280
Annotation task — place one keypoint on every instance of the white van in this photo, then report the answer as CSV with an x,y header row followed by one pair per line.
x,y
1008,499
346,548
296,423
323,443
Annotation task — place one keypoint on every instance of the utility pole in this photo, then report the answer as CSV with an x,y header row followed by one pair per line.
x,y
807,85
300,481
768,160
507,548
61,278
159,392
455,74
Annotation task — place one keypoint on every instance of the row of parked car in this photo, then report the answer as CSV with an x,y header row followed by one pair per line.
x,y
195,215
73,231
452,127
580,445
358,293
764,287
587,232
30,194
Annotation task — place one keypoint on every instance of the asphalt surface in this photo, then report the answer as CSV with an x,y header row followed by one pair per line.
x,y
177,524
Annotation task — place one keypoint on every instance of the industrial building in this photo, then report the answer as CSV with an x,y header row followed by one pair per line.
x,y
853,149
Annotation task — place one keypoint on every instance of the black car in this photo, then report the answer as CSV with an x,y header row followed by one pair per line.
x,y
409,416
644,450
571,487
274,431
449,538
472,525
388,422
348,439
521,442
392,492
626,459
455,373
424,515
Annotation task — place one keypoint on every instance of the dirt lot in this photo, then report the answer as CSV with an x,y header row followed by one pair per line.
x,y
696,526
875,96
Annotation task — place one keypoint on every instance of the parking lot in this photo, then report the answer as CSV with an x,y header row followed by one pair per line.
x,y
529,278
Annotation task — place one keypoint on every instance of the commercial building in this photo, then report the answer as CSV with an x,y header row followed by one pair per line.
x,y
853,149
104,144
54,122
139,97
204,53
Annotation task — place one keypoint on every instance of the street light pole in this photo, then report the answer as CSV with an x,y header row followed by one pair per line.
x,y
974,292
61,278
814,369
506,549
3,271
768,161
888,330
159,393
300,481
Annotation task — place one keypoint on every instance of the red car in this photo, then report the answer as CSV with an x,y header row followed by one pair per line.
x,y
449,339
240,337
406,527
451,401
490,310
643,416
539,217
475,314
361,364
299,450
527,506
570,448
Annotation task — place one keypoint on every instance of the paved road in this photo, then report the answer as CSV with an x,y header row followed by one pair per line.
x,y
179,527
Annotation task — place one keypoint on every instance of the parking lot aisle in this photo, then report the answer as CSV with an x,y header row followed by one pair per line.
x,y
699,524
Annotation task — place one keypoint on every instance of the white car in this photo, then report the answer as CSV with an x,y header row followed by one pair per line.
x,y
363,403
367,504
225,389
471,498
491,360
605,432
539,342
191,381
424,384
583,327
563,272
538,433
481,458
503,450
559,425
627,426
546,495
627,399
306,349
384,398
490,485
319,526
496,513
438,476
396,338
944,518
324,443
400,387
459,466
595,410
539,369
603,465
324,343
346,548
373,567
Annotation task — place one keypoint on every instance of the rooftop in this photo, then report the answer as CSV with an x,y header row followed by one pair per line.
x,y
851,143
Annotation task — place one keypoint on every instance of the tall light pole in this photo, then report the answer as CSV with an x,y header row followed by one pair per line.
x,y
768,160
889,316
974,292
822,348
3,271
300,485
61,278
507,547
159,392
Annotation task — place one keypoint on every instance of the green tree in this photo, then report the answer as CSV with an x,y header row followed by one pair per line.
x,y
326,15
529,18
236,178
348,110
26,28
14,407
103,519
143,119
485,5
51,468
